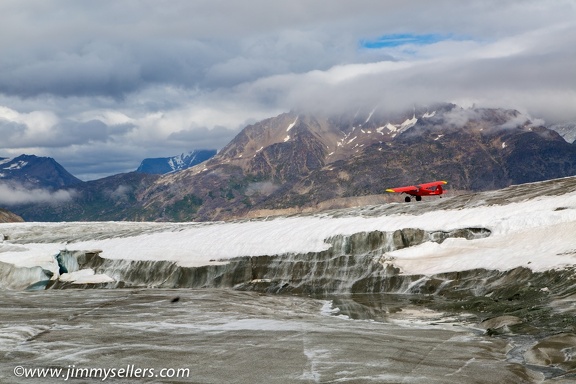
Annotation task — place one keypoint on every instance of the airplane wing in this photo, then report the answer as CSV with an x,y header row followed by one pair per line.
x,y
410,188
432,184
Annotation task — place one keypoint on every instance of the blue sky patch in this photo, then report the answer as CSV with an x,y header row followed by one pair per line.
x,y
399,39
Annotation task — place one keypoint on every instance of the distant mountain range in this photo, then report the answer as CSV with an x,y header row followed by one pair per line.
x,y
54,194
34,171
301,161
163,165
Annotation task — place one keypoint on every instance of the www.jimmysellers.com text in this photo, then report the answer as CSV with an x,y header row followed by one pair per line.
x,y
73,372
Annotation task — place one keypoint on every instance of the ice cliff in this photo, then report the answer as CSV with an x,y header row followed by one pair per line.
x,y
420,247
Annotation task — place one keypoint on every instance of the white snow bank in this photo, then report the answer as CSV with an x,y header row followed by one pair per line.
x,y
31,255
85,276
532,233
539,249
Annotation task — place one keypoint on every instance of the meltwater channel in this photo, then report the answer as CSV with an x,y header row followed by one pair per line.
x,y
229,336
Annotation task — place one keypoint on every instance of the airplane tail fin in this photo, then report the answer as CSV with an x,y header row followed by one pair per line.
x,y
439,190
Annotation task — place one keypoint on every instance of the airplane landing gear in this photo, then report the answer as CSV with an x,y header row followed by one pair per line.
x,y
408,199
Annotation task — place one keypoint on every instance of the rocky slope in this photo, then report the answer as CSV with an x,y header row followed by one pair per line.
x,y
298,161
109,198
9,217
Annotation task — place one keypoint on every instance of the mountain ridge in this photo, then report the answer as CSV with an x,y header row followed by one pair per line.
x,y
35,171
163,165
297,161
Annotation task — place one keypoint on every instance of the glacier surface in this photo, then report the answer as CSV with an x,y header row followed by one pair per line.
x,y
527,229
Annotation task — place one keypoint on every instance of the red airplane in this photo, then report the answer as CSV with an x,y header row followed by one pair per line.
x,y
426,189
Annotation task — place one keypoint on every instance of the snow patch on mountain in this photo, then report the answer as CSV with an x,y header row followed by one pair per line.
x,y
292,125
407,124
429,114
391,127
370,115
16,165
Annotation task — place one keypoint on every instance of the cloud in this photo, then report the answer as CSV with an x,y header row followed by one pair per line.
x,y
121,193
202,137
458,117
41,129
10,130
15,194
100,87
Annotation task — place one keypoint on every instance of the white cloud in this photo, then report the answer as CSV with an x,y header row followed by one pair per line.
x,y
119,194
13,194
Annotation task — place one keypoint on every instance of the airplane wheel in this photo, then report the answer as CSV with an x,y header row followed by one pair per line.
x,y
418,198
407,199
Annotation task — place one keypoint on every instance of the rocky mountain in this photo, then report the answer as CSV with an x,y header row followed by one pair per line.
x,y
303,162
64,197
163,165
296,161
8,217
110,198
34,171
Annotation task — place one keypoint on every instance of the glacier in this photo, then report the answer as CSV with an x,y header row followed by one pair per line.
x,y
528,226
455,289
